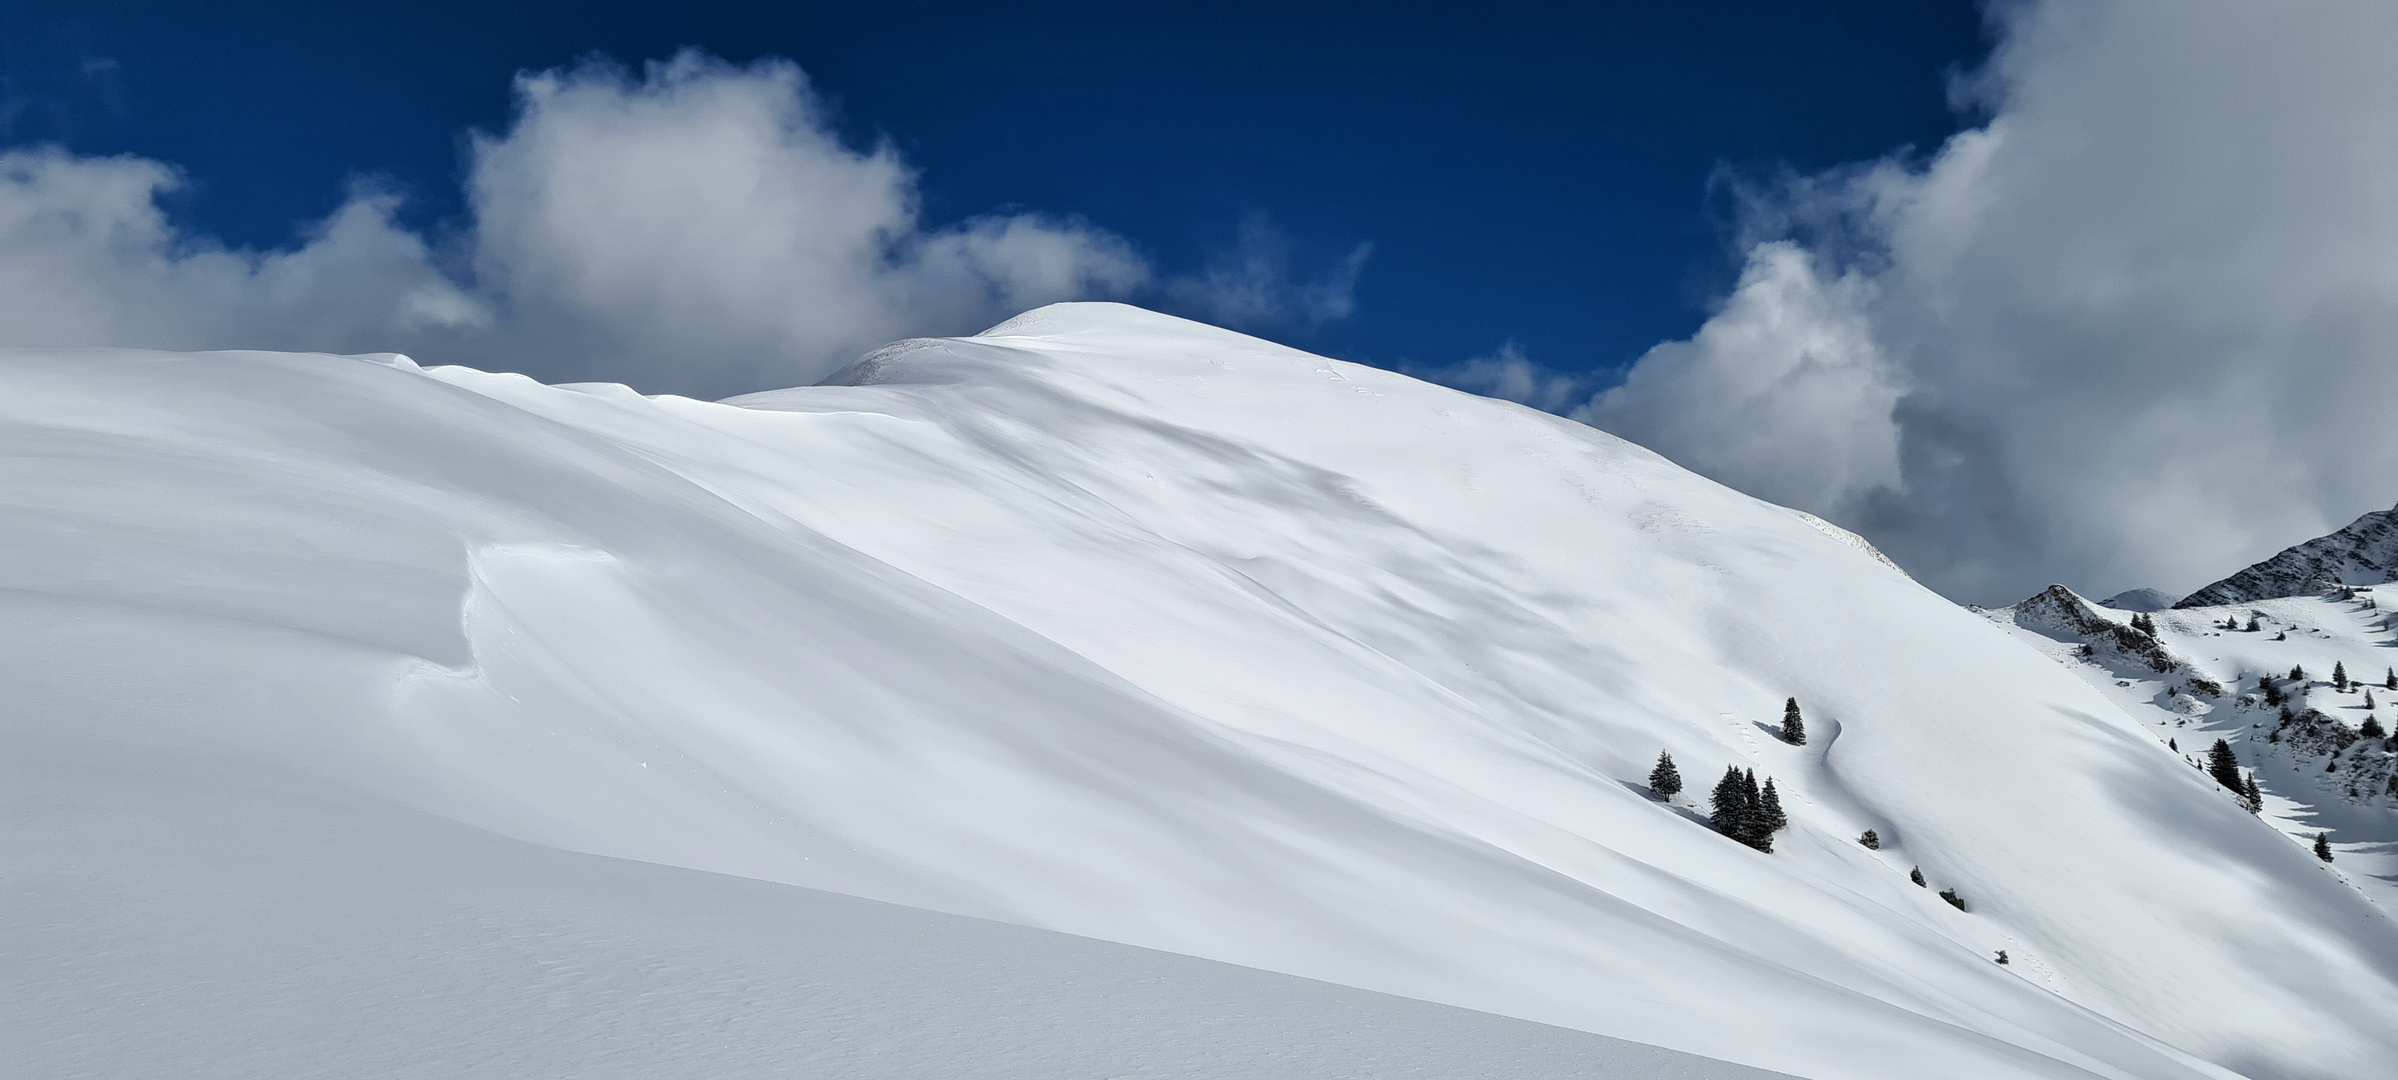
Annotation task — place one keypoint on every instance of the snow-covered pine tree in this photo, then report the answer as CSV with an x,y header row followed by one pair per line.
x,y
2390,680
2339,676
2253,624
2372,728
1954,900
2368,699
2249,795
2323,846
1727,806
2271,689
1916,875
1871,839
1770,817
1665,780
2297,673
2173,745
1794,727
2223,765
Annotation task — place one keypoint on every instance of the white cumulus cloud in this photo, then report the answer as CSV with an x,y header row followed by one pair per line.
x,y
2139,327
696,227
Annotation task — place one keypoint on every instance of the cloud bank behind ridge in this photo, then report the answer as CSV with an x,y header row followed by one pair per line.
x,y
695,228
2138,328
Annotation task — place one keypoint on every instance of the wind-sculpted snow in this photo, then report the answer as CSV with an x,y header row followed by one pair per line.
x,y
2363,553
1117,625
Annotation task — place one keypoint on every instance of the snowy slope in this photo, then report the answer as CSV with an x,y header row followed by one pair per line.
x,y
2363,553
172,921
1118,625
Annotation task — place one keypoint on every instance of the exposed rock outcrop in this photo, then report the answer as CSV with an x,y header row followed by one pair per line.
x,y
2060,612
2364,553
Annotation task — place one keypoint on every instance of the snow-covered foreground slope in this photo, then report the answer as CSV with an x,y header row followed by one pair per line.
x,y
1114,624
229,920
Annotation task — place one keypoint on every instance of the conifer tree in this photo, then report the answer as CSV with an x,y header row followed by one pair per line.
x,y
2254,799
1727,808
1954,900
2323,846
2223,765
2173,745
2297,673
2253,624
2371,728
1871,839
2368,699
1916,876
1794,728
2390,680
1770,818
1665,780
2339,676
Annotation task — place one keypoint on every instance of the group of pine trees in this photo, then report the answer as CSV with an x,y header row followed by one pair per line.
x,y
2142,623
1738,808
1746,812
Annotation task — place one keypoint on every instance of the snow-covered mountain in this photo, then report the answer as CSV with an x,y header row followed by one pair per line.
x,y
2142,600
485,696
2364,553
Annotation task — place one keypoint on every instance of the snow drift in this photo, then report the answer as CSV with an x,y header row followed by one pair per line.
x,y
1114,624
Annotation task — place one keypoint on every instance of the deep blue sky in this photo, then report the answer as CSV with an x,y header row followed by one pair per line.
x,y
1527,172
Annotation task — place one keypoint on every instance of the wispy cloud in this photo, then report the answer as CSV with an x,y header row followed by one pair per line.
x,y
1253,285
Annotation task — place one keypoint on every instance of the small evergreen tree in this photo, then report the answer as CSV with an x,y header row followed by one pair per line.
x,y
2297,673
2271,689
1770,818
1794,728
1665,780
2323,846
2371,728
2250,796
1916,876
2223,765
2368,699
2339,676
2390,681
2173,745
2253,624
1954,900
2002,956
1872,840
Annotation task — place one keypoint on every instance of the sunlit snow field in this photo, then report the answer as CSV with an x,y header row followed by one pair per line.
x,y
430,718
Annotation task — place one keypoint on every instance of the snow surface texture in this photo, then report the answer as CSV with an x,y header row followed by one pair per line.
x,y
2364,553
1119,625
232,922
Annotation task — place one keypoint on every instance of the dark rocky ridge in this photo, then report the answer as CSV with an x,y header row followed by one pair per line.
x,y
2364,553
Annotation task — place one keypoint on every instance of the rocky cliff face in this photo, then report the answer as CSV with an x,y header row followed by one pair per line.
x,y
2364,553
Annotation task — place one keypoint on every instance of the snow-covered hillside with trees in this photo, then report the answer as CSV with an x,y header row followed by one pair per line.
x,y
479,695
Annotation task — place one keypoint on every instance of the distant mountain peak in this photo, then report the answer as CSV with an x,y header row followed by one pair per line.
x,y
2140,600
2364,553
